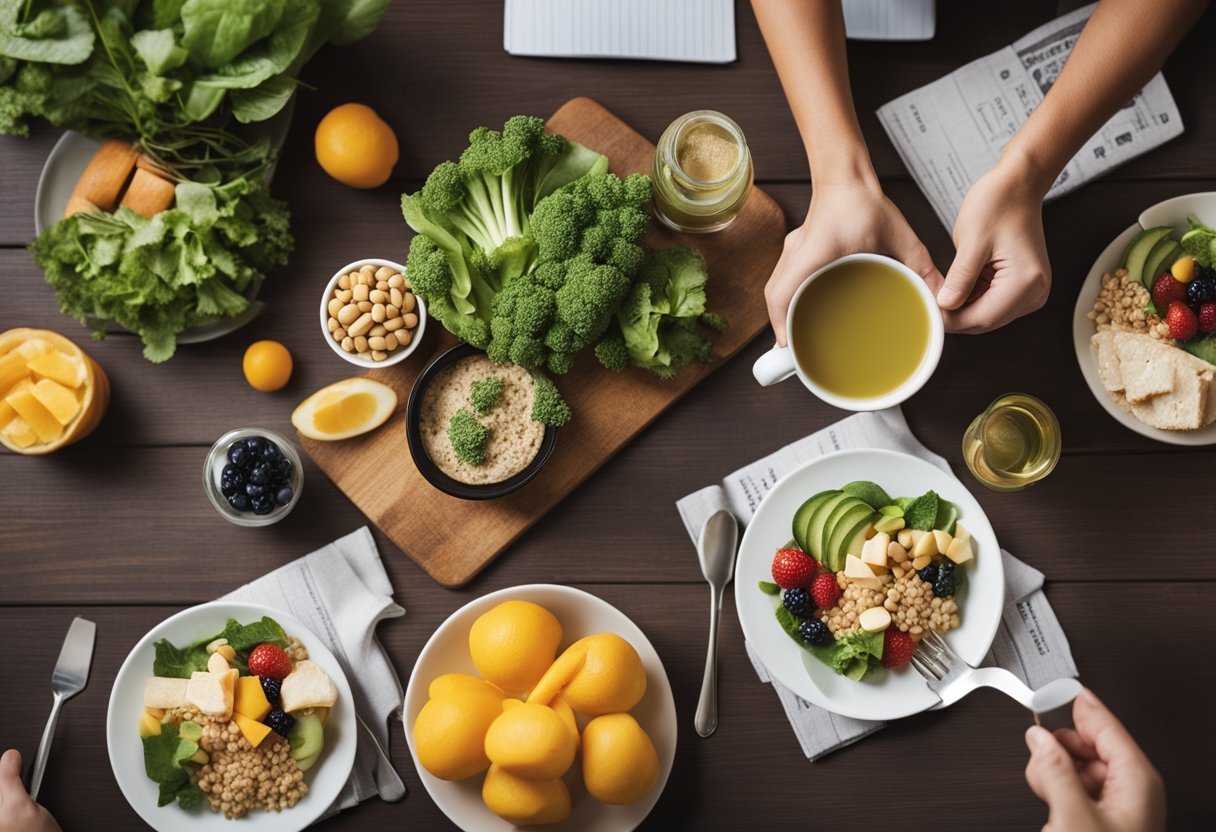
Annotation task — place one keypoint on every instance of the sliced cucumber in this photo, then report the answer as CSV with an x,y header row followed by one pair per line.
x,y
307,737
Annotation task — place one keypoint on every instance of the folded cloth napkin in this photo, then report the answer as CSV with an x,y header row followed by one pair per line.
x,y
1029,642
341,592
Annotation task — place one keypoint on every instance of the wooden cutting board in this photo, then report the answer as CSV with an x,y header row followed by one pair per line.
x,y
454,539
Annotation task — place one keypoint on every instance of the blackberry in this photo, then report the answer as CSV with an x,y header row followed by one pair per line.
x,y
271,688
814,631
798,602
943,586
1201,290
946,568
280,722
928,574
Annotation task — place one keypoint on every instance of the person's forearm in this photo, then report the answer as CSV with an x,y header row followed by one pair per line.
x,y
807,44
1124,43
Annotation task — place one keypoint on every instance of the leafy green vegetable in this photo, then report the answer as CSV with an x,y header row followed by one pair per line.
x,y
1204,348
163,754
769,588
178,662
790,623
854,655
947,516
921,513
1200,242
244,637
658,321
485,394
468,437
870,493
216,31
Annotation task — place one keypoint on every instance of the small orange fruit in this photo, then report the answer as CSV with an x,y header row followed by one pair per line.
x,y
267,366
356,147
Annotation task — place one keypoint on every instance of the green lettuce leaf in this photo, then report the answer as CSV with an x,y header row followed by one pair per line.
x,y
216,31
855,656
245,637
921,513
158,50
60,34
176,662
162,763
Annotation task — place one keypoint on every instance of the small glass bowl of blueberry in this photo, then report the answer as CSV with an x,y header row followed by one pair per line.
x,y
253,476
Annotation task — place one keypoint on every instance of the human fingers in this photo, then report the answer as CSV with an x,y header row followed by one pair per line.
x,y
1053,777
10,775
961,277
1093,774
1007,298
1102,729
912,253
1075,744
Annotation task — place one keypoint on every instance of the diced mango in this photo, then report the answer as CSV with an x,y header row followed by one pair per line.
x,y
59,400
12,370
149,726
45,425
250,699
58,366
7,414
19,432
253,730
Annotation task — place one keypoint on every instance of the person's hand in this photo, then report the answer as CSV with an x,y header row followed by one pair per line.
x,y
1094,778
843,219
1001,270
17,812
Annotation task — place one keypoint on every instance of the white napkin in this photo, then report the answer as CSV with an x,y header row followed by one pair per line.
x,y
1029,642
341,592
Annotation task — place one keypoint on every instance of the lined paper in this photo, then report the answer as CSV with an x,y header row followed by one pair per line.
x,y
889,19
695,31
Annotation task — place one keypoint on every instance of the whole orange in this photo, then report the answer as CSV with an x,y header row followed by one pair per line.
x,y
267,366
356,147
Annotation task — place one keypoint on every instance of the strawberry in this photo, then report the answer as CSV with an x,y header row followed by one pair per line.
x,y
825,591
1207,317
897,648
793,568
1166,290
1182,321
269,661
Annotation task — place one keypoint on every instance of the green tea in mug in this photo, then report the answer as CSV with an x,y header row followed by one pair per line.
x,y
860,330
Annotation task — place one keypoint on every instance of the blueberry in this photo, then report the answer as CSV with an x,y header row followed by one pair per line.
x,y
814,631
797,601
253,490
239,502
945,569
271,453
228,487
928,574
255,443
943,586
232,472
263,504
260,474
284,467
238,455
283,495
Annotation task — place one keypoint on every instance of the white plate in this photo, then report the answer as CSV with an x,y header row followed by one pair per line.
x,y
1170,212
325,780
888,694
581,614
67,161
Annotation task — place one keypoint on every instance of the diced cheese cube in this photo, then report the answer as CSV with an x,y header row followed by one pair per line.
x,y
927,545
307,686
217,664
905,538
941,540
251,699
874,620
875,550
896,553
856,568
960,550
878,570
961,532
58,365
253,730
916,535
162,692
873,582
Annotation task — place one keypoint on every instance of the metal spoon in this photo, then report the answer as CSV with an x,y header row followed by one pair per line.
x,y
69,678
716,549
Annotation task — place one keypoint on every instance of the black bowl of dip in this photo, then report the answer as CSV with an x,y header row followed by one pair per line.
x,y
432,472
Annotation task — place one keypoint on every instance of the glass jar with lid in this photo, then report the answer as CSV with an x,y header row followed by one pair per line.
x,y
702,172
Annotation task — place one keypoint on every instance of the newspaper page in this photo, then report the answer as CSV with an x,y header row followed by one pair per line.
x,y
952,131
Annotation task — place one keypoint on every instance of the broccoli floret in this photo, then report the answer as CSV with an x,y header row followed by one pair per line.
x,y
468,437
548,406
486,394
433,280
612,352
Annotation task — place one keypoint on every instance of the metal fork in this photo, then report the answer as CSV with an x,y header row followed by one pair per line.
x,y
951,678
69,678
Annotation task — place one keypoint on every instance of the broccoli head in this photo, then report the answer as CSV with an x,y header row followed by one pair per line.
x,y
468,437
548,406
485,394
612,352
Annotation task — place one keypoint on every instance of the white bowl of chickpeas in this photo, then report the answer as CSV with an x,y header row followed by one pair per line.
x,y
369,315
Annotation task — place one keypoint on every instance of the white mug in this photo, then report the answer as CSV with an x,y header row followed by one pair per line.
x,y
778,364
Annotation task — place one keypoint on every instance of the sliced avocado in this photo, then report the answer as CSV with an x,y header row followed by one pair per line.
x,y
307,737
855,519
817,524
802,517
825,521
868,492
1140,247
190,731
1159,260
859,540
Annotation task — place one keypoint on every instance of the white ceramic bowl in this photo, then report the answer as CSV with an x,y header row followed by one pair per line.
x,y
888,694
325,780
1170,212
396,356
581,614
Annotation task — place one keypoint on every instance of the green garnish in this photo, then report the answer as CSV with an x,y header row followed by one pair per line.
x,y
179,662
548,406
485,394
468,437
163,754
769,588
921,513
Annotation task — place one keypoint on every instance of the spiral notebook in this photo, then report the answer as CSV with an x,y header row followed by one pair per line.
x,y
695,31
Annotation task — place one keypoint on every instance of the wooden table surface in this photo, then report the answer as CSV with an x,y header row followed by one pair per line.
x,y
116,529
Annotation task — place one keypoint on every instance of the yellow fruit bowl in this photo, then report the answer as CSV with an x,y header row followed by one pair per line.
x,y
580,615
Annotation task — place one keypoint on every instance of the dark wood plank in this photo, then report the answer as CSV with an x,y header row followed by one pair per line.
x,y
753,762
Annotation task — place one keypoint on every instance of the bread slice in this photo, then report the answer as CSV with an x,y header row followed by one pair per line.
x,y
1180,409
1103,345
1146,365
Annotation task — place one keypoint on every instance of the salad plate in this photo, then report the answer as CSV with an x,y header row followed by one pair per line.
x,y
885,694
1170,212
580,614
325,780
